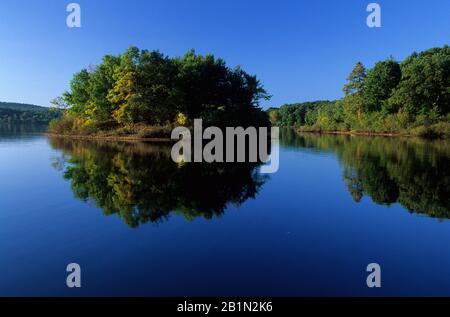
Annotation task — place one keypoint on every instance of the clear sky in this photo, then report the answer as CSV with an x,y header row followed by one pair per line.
x,y
300,49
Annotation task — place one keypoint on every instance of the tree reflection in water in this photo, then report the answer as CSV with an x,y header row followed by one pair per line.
x,y
411,171
140,182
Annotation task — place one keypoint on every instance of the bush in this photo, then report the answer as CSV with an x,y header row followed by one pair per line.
x,y
154,131
63,125
440,129
122,131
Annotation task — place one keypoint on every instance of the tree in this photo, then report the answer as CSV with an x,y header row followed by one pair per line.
x,y
79,94
356,80
381,80
273,115
59,103
353,90
98,107
125,89
425,83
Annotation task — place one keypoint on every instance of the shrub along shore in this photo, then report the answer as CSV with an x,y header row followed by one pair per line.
x,y
438,130
137,132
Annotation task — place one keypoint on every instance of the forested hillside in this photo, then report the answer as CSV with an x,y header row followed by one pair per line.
x,y
18,112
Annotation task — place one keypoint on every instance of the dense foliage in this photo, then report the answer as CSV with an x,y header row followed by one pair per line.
x,y
146,87
24,113
408,97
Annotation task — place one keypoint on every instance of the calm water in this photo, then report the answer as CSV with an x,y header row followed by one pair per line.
x,y
139,224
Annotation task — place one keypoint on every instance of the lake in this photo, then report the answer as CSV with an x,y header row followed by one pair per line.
x,y
139,224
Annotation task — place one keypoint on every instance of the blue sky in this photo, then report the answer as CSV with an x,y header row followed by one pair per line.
x,y
300,49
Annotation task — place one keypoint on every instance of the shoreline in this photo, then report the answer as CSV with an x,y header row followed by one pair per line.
x,y
109,138
382,134
360,133
168,140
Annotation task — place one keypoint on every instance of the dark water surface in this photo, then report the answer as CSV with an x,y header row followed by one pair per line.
x,y
139,224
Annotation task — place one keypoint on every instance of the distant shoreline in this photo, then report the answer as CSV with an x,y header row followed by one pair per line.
x,y
359,133
430,136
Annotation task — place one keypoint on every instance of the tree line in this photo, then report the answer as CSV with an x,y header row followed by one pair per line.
x,y
412,96
24,113
141,87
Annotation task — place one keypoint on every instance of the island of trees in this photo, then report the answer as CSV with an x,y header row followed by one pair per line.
x,y
411,97
145,93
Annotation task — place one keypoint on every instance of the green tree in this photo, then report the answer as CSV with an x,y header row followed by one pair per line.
x,y
79,94
425,83
355,80
354,89
381,80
